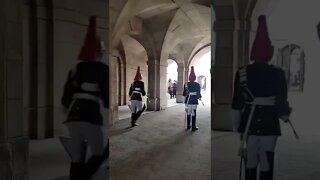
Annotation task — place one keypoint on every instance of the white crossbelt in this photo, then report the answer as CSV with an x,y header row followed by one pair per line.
x,y
263,101
86,96
193,93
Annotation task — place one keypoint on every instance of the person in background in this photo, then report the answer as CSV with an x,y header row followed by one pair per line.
x,y
136,92
191,93
174,89
170,88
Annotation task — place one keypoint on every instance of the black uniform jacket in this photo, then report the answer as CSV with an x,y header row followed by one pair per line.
x,y
193,88
137,90
263,81
83,109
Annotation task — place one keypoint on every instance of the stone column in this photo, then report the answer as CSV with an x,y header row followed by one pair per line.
x,y
122,78
113,83
13,145
232,37
153,100
181,81
40,89
162,86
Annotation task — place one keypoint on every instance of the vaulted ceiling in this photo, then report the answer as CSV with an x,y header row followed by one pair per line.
x,y
163,27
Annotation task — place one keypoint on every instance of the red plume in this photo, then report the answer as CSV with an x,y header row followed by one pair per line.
x,y
262,49
138,75
89,51
192,76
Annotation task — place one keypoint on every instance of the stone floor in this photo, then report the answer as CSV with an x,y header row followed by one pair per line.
x,y
160,148
49,161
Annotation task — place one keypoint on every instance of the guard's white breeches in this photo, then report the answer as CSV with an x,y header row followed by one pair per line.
x,y
257,146
190,109
135,106
81,132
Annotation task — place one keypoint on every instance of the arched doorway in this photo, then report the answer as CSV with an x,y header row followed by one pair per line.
x,y
202,65
292,60
172,80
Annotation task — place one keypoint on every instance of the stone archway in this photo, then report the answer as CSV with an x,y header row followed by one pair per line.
x,y
161,27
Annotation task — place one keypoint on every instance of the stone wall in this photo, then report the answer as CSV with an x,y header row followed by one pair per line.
x,y
53,35
13,143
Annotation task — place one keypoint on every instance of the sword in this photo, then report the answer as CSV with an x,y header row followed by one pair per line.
x,y
243,146
201,102
294,131
185,119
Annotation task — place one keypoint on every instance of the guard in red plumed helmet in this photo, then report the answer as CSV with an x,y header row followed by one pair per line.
x,y
191,93
136,92
87,83
260,89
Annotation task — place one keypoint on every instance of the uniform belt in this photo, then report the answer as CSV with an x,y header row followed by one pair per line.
x,y
193,93
93,87
86,96
137,92
263,101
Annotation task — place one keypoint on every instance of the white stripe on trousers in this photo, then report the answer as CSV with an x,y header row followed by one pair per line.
x,y
191,108
85,132
135,106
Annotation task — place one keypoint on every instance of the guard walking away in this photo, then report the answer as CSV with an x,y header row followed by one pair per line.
x,y
86,85
191,93
136,92
259,100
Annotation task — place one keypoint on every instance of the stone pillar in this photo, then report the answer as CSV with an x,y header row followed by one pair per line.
x,y
123,93
13,145
232,37
113,83
181,81
153,101
162,86
40,64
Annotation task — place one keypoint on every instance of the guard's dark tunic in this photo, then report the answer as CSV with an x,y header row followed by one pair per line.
x,y
192,87
263,81
83,109
137,86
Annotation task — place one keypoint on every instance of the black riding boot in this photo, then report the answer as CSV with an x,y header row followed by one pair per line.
x,y
133,119
268,175
137,115
194,126
188,121
76,170
94,163
251,173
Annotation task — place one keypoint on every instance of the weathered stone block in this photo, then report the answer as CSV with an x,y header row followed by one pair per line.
x,y
14,159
